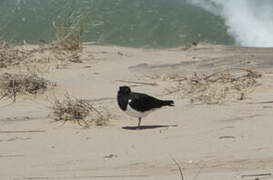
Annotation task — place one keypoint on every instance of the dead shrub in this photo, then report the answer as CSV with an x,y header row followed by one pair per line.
x,y
216,88
79,111
13,84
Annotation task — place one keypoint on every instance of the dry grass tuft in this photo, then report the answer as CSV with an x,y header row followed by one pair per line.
x,y
75,58
3,44
10,55
45,54
216,88
78,110
13,84
68,38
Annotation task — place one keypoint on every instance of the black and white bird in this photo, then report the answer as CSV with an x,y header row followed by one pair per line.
x,y
137,104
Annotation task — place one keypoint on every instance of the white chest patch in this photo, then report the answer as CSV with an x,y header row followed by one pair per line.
x,y
131,112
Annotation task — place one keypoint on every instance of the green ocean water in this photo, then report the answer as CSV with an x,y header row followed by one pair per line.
x,y
134,23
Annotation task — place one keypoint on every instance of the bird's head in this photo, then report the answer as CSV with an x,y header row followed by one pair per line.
x,y
124,90
124,95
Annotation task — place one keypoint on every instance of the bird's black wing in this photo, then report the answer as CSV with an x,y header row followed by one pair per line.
x,y
143,102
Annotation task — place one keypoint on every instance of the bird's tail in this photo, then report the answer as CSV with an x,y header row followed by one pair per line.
x,y
169,103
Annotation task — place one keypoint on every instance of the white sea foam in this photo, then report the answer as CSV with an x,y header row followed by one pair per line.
x,y
250,22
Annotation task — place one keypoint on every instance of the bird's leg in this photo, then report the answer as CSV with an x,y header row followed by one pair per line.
x,y
139,121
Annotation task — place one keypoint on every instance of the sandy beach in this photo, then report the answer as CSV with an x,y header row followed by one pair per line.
x,y
231,140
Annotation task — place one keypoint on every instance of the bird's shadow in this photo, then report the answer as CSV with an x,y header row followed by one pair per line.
x,y
147,127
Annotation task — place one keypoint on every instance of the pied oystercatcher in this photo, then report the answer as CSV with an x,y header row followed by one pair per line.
x,y
139,105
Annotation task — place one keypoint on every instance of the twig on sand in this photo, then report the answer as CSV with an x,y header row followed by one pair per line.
x,y
180,169
86,177
263,102
255,175
196,176
30,131
137,82
11,155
